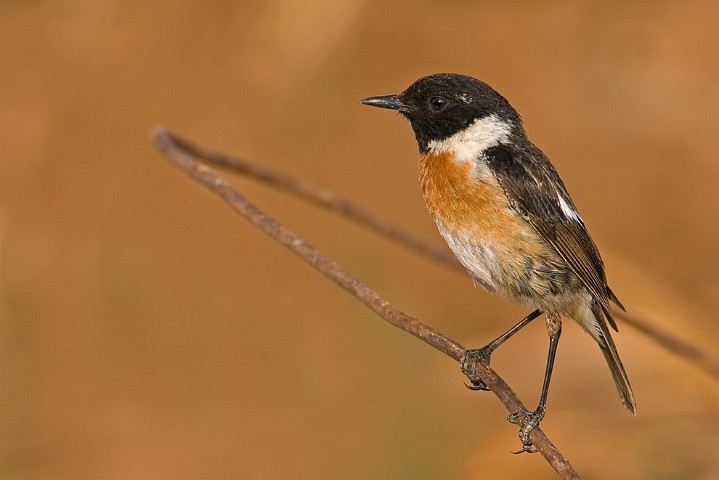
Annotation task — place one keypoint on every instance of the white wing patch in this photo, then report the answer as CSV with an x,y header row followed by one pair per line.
x,y
567,210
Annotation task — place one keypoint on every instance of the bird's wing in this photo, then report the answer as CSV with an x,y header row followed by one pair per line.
x,y
535,190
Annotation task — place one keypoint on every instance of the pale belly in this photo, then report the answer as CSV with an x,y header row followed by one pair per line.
x,y
521,267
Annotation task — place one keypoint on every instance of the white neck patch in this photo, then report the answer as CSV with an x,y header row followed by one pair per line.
x,y
484,133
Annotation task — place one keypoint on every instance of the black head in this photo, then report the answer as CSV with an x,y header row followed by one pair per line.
x,y
440,105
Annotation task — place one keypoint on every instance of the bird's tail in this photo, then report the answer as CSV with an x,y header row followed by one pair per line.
x,y
606,343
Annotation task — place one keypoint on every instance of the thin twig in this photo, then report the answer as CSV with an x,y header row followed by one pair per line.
x,y
166,144
708,362
321,197
332,201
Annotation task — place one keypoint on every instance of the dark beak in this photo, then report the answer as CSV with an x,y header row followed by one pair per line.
x,y
386,101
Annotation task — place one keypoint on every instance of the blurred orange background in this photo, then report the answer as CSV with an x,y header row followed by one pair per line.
x,y
148,332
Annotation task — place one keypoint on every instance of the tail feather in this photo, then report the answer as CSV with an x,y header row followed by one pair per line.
x,y
606,343
614,299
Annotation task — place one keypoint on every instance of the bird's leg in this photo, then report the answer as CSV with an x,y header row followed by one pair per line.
x,y
528,420
469,360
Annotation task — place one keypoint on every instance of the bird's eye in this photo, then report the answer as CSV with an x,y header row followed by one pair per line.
x,y
437,103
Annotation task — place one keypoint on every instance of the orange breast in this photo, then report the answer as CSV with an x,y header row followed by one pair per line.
x,y
501,250
466,199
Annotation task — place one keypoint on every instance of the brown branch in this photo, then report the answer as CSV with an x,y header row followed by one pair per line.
x,y
708,362
321,197
332,201
166,143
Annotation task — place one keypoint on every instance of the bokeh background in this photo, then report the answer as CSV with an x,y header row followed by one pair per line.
x,y
148,332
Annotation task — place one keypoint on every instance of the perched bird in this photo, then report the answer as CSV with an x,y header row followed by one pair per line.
x,y
505,213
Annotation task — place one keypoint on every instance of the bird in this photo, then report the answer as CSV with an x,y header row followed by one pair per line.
x,y
507,216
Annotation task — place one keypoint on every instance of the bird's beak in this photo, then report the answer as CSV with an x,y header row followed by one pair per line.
x,y
387,101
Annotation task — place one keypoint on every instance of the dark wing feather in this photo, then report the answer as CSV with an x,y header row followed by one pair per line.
x,y
534,189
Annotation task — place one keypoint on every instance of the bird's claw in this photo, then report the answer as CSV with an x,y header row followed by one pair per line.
x,y
526,421
476,385
468,364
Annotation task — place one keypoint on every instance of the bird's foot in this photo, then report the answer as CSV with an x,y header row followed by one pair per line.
x,y
527,421
468,364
